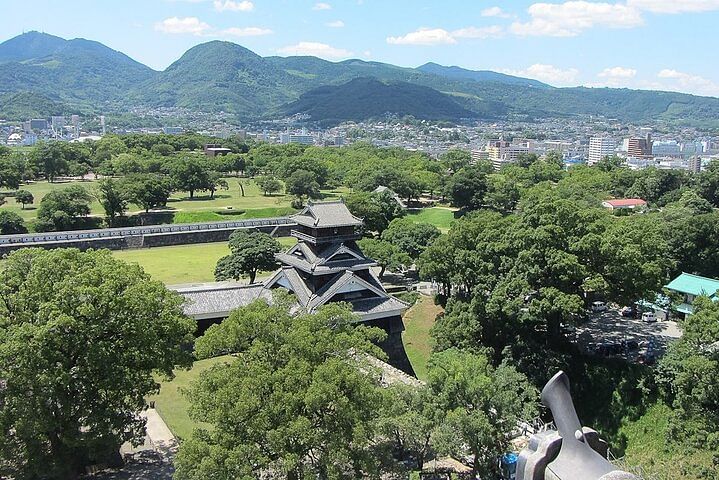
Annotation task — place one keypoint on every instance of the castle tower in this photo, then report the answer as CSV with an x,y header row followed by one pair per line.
x,y
326,265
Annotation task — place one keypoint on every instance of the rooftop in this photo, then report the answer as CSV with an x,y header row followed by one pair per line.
x,y
326,214
625,202
694,285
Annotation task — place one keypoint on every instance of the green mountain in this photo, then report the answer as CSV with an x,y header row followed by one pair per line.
x,y
219,76
76,73
48,72
367,97
478,75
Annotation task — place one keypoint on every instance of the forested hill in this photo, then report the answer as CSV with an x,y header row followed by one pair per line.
x,y
367,97
41,74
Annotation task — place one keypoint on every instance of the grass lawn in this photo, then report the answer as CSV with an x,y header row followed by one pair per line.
x,y
39,190
172,405
417,342
647,448
204,208
440,217
183,263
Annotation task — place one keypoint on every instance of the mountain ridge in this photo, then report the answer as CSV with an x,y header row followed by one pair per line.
x,y
224,76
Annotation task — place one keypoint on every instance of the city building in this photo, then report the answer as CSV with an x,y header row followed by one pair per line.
x,y
38,124
666,148
639,147
624,203
304,138
694,164
172,130
214,150
501,153
479,155
600,147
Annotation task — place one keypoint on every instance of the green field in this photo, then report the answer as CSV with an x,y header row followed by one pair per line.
x,y
440,217
182,263
418,320
172,405
225,204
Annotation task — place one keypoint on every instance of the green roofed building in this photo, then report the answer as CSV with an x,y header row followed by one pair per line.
x,y
690,287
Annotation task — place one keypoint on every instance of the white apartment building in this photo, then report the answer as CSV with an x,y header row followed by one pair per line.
x,y
600,147
501,153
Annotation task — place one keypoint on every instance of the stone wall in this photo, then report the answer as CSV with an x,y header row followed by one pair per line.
x,y
148,240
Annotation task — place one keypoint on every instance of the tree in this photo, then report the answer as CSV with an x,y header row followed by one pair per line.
x,y
297,401
709,184
148,190
81,335
302,183
688,373
10,173
268,185
190,175
409,422
376,210
24,197
11,223
61,209
468,187
410,237
114,199
50,159
386,254
250,252
455,160
482,407
502,193
215,181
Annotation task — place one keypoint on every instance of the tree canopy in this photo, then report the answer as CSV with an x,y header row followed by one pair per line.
x,y
81,335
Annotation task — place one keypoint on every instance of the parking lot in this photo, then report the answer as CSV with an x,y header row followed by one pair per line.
x,y
609,333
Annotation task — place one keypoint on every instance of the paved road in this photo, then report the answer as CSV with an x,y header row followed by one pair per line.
x,y
610,326
150,461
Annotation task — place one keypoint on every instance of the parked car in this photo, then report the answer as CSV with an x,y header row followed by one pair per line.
x,y
598,307
649,317
630,345
609,348
628,312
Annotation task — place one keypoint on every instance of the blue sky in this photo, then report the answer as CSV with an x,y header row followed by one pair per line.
x,y
658,44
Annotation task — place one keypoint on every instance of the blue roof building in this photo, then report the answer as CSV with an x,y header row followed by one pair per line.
x,y
691,286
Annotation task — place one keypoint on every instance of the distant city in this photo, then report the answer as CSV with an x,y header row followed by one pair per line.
x,y
578,140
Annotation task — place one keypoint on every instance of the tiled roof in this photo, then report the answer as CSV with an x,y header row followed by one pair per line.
x,y
694,285
626,202
372,306
326,214
216,300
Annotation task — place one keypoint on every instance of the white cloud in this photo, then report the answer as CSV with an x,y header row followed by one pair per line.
x,y
674,6
193,26
186,25
424,36
493,31
615,77
322,6
570,18
335,24
685,82
494,12
315,49
245,31
440,36
546,73
233,6
618,72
